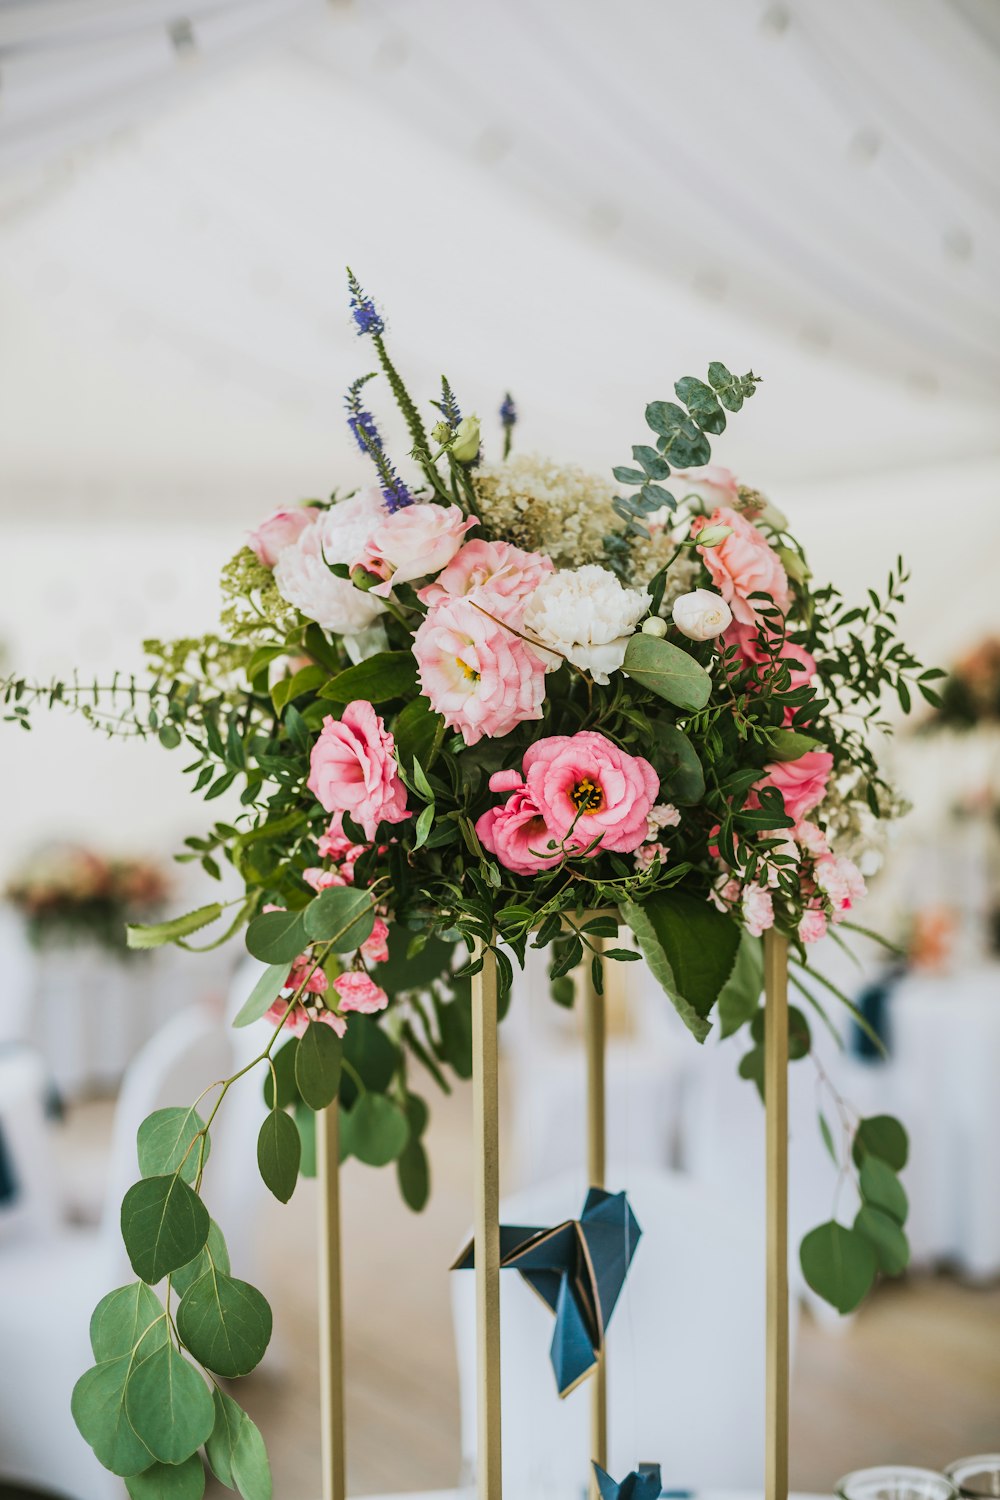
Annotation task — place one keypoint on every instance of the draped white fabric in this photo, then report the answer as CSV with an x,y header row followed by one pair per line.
x,y
579,205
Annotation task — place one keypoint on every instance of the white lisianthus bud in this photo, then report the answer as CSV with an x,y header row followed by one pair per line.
x,y
654,626
441,433
701,615
711,536
466,444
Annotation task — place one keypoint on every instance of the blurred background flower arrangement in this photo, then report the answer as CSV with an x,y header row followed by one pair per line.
x,y
67,894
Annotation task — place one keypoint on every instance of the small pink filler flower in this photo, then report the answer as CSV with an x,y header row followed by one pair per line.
x,y
353,769
359,992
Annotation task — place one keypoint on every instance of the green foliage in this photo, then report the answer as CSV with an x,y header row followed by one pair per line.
x,y
168,1141
185,1481
125,1317
235,1451
277,937
169,1405
839,1264
390,674
263,994
225,1323
667,671
317,1065
279,1151
691,949
375,1130
164,1225
156,934
341,917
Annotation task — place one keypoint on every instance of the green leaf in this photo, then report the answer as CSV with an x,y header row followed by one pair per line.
x,y
702,402
155,934
653,466
668,671
263,995
98,1406
625,475
235,1451
828,1141
682,776
121,1319
165,1143
277,937
214,1253
307,680
283,1063
342,916
305,1123
278,1152
388,674
425,823
740,995
839,1264
681,440
413,1172
372,1054
454,1018
884,1137
225,1323
691,949
788,744
416,730
406,970
317,1064
184,1481
164,1225
892,1249
882,1188
375,1130
169,1405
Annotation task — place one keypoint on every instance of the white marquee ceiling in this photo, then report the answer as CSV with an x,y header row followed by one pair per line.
x,y
542,198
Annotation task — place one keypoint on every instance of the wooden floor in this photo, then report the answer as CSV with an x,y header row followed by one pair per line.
x,y
915,1376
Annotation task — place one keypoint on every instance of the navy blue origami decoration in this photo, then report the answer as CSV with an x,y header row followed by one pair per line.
x,y
578,1269
644,1483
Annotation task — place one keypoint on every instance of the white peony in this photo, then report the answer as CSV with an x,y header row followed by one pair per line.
x,y
701,615
347,526
585,614
305,580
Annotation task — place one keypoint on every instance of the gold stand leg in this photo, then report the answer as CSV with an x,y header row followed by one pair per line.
x,y
595,1026
776,1101
487,1227
331,1347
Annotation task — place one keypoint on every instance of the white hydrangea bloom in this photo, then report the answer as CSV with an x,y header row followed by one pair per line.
x,y
543,506
304,579
585,614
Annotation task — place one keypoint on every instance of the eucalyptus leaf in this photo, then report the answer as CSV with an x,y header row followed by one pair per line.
x,y
691,949
225,1323
156,934
375,1130
283,1065
164,1224
236,1452
881,1188
278,1152
739,997
882,1136
682,777
213,1253
165,1143
342,916
892,1249
317,1064
169,1405
789,744
839,1264
263,995
413,1172
668,671
184,1481
277,937
305,1124
98,1406
121,1319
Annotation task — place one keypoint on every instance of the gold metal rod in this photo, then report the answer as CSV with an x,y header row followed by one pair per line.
x,y
331,1320
776,1108
595,1029
486,1133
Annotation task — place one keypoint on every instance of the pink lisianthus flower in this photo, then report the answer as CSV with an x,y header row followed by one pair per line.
x,y
353,769
498,569
359,992
802,783
376,945
480,677
413,542
297,1022
758,909
743,564
812,925
517,833
586,788
841,881
280,529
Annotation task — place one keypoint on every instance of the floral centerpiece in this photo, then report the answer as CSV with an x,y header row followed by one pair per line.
x,y
466,708
67,894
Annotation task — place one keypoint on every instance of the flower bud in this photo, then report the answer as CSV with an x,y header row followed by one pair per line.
x,y
701,615
711,536
441,433
465,447
654,626
363,579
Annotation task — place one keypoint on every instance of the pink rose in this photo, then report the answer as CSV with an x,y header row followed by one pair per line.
x,y
801,665
412,542
320,879
802,783
742,564
811,838
280,529
758,909
649,854
358,992
483,679
584,783
297,1022
376,946
517,833
353,769
841,881
812,925
504,571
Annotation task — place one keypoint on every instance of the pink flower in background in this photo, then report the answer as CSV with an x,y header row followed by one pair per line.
x,y
811,838
663,815
758,909
742,564
584,782
315,984
504,572
353,769
359,992
649,854
297,1022
801,665
841,881
321,879
483,679
725,893
812,925
712,484
802,783
376,946
412,542
517,833
335,845
280,529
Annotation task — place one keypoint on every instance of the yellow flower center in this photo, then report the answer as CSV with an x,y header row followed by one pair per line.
x,y
587,796
469,673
